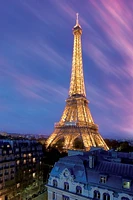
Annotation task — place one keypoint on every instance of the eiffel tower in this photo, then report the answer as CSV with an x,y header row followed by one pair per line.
x,y
76,121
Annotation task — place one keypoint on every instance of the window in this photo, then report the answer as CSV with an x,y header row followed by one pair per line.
x,y
103,179
65,197
6,197
106,196
18,162
96,194
24,161
34,160
124,198
55,184
34,175
126,184
18,185
78,190
4,152
17,149
66,186
54,196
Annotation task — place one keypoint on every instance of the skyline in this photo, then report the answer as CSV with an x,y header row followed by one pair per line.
x,y
35,63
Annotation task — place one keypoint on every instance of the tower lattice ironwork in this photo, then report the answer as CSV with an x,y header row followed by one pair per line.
x,y
76,121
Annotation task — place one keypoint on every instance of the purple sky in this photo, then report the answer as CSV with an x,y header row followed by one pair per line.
x,y
36,44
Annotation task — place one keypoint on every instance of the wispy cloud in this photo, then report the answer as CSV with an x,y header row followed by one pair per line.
x,y
115,21
32,87
34,61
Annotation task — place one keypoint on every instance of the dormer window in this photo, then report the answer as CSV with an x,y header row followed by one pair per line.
x,y
66,186
4,152
55,184
103,178
10,151
126,184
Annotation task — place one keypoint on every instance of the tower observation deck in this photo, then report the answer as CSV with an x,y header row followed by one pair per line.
x,y
76,121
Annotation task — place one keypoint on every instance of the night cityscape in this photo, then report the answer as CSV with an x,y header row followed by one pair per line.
x,y
66,128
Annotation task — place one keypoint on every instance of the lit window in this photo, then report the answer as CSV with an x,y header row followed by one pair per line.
x,y
24,155
18,162
24,161
8,145
34,160
66,186
126,184
29,154
40,162
103,179
29,170
10,151
78,190
18,185
55,184
4,152
34,175
96,194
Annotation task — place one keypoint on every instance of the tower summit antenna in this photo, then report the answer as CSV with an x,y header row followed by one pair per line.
x,y
77,18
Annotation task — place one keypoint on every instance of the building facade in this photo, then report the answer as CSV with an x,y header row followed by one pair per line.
x,y
97,174
21,171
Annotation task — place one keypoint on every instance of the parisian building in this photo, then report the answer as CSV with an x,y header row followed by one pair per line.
x,y
21,170
96,174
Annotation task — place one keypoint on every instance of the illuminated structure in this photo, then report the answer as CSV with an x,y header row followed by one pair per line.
x,y
21,168
76,121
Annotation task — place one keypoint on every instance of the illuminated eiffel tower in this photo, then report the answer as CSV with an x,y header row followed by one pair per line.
x,y
76,121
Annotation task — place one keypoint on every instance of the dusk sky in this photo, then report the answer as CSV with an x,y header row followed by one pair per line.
x,y
36,44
